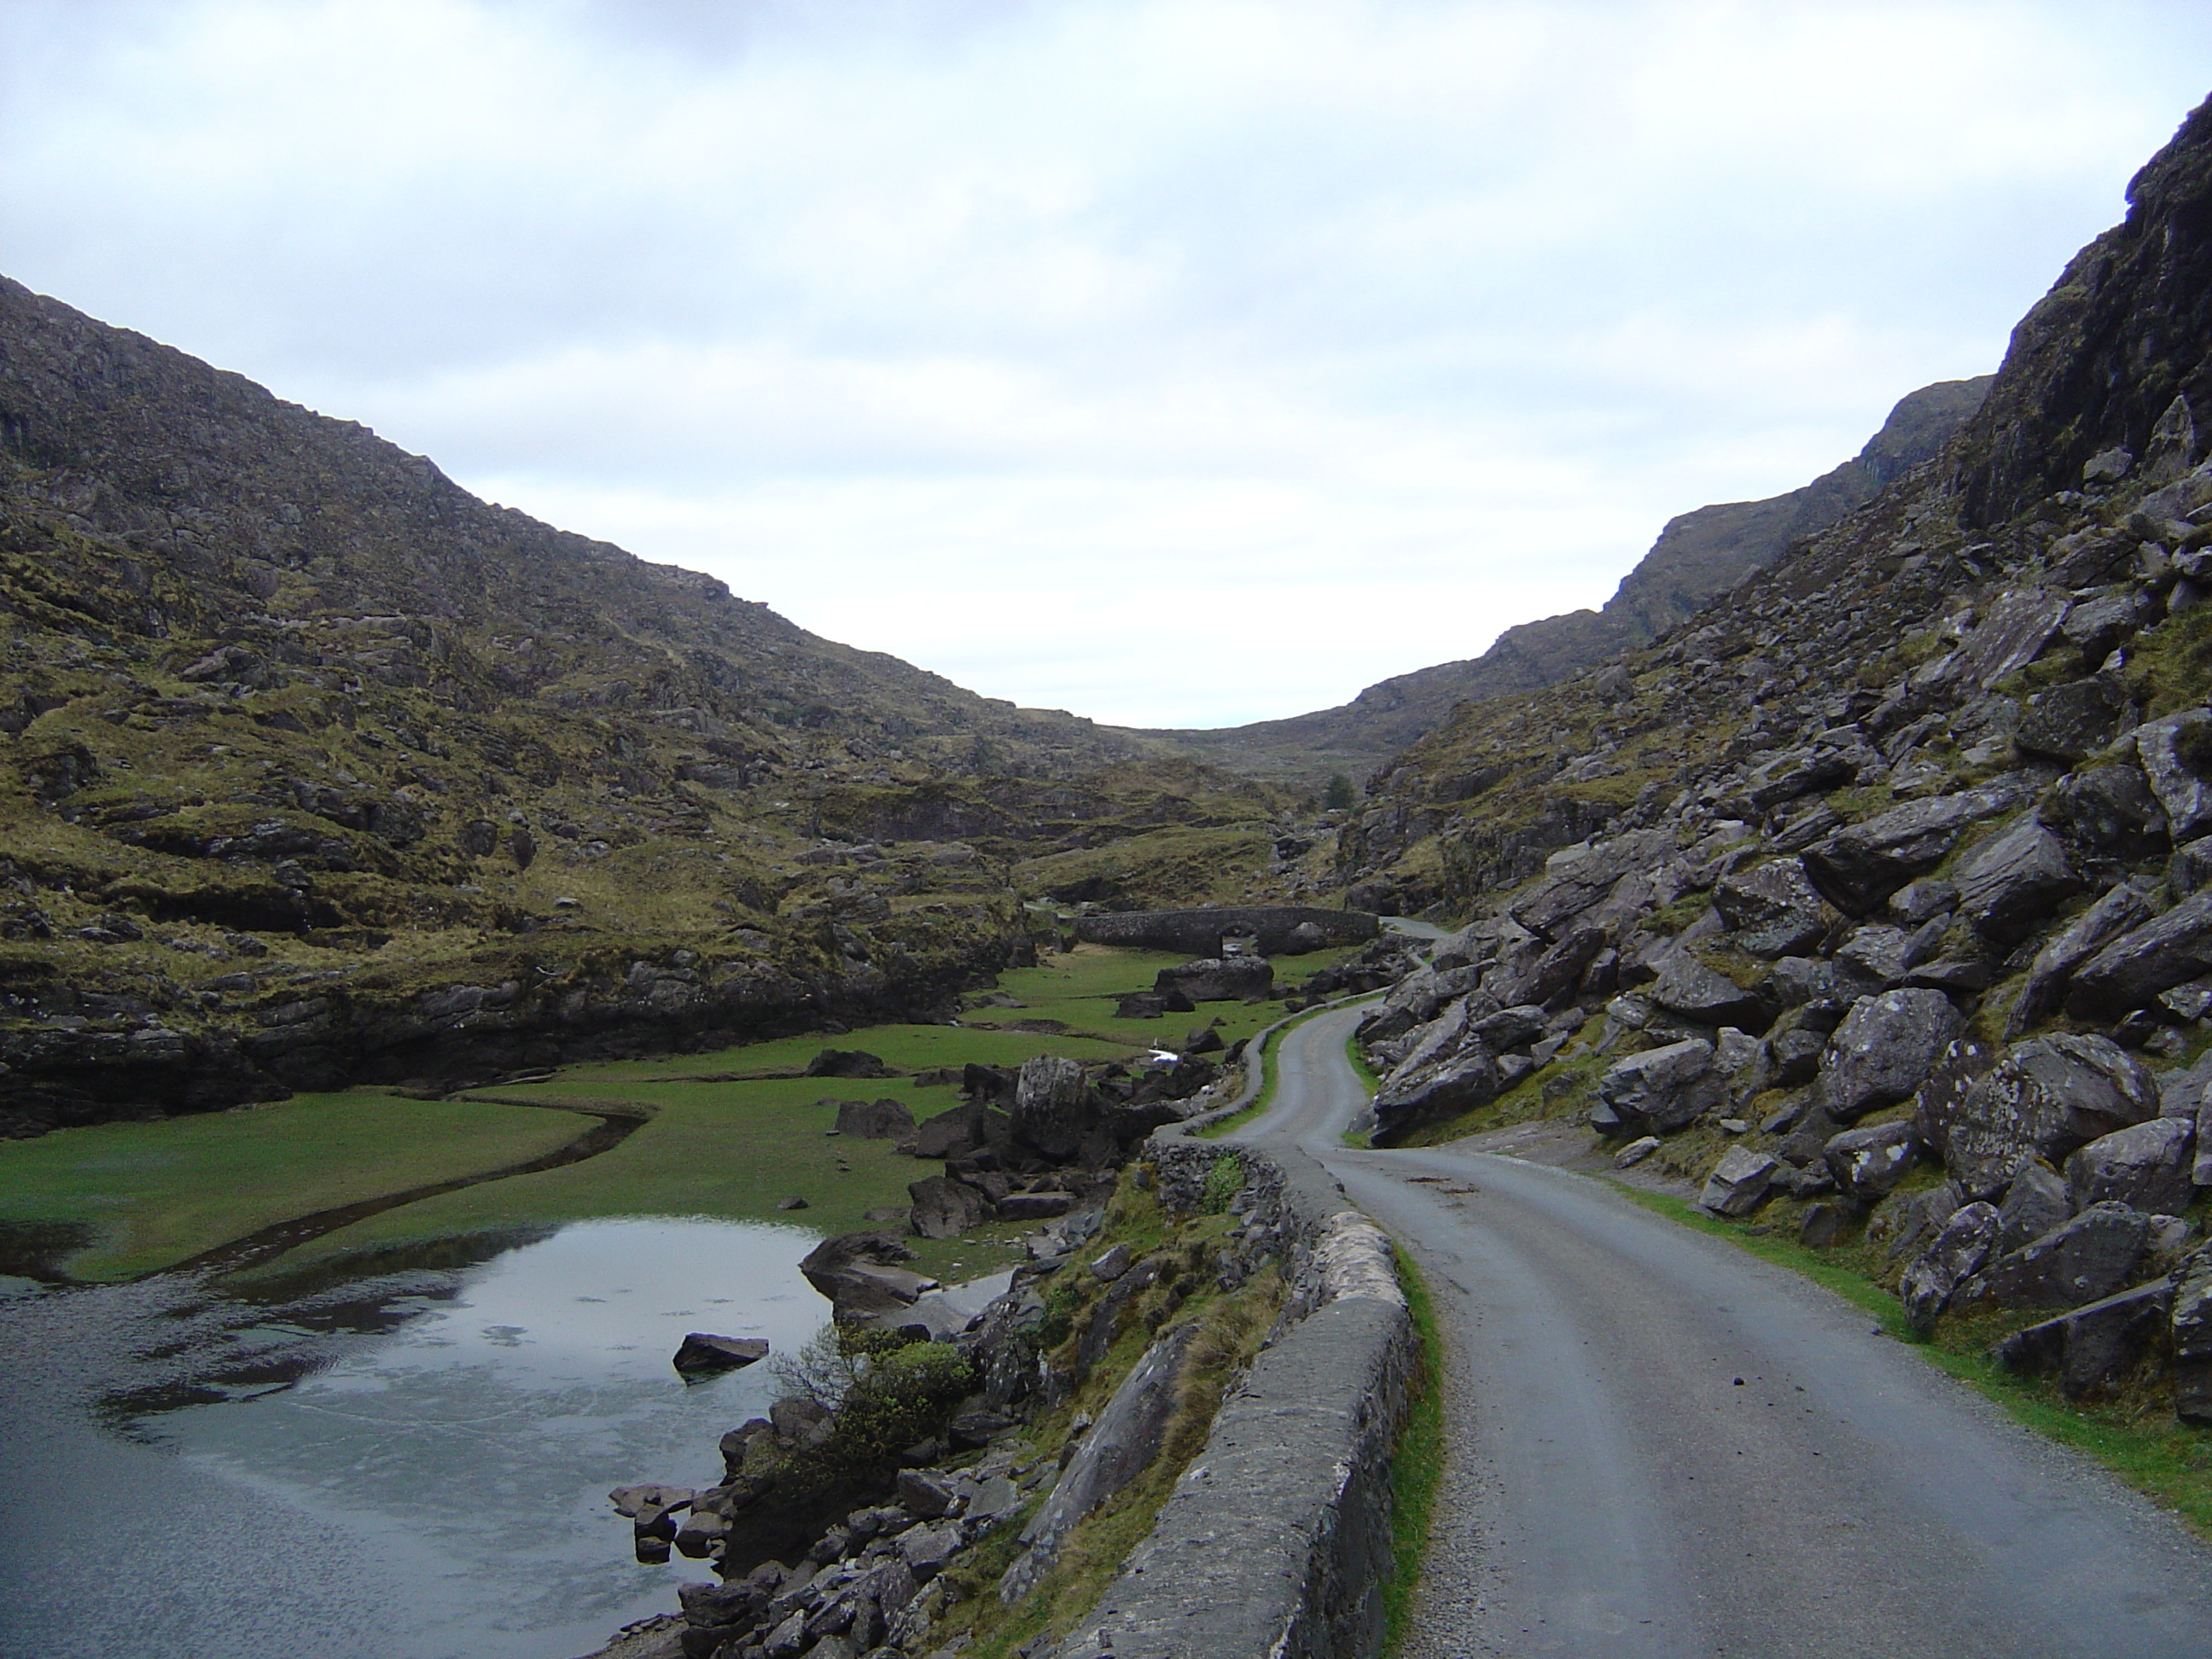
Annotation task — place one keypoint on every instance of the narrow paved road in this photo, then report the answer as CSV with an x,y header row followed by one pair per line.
x,y
1663,1446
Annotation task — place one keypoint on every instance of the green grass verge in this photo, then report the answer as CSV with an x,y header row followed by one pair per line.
x,y
2134,1435
157,1192
1417,1462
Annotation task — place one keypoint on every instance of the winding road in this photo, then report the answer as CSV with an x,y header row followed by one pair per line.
x,y
1660,1445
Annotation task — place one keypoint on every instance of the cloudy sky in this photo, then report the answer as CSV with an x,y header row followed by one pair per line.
x,y
1177,363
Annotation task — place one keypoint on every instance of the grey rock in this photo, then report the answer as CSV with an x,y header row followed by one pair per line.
x,y
1054,1110
1738,1183
2013,633
1508,1027
1112,1264
1870,1162
2108,812
702,1354
1858,866
1884,1050
860,1274
1636,1152
1935,1102
945,1208
2072,721
2124,908
927,1550
876,1120
2044,1098
1774,908
1875,956
2093,1346
925,1494
1573,884
1119,1447
1420,1089
1218,979
2191,1328
1906,1222
2079,1260
2168,750
1956,1255
1689,987
2130,972
2013,881
2145,1166
1923,901
2097,627
1663,1089
1824,1226
2036,1203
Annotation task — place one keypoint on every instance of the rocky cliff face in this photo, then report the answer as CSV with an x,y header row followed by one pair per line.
x,y
1698,554
1898,859
314,767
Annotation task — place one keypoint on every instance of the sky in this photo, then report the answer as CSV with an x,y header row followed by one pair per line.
x,y
1177,362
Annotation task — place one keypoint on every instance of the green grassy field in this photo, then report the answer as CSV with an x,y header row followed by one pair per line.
x,y
158,1193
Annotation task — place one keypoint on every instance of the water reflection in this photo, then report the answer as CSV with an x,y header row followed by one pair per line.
x,y
410,1463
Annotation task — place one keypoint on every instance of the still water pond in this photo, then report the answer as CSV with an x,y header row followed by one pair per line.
x,y
411,1462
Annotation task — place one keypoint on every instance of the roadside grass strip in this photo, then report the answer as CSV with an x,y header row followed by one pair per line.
x,y
1416,1463
2134,1433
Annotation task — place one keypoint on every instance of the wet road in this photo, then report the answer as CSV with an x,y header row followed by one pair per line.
x,y
1662,1446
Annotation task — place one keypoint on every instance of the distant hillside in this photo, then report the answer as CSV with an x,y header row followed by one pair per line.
x,y
1698,554
315,768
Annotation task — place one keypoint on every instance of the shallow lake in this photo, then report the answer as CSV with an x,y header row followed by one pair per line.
x,y
403,1460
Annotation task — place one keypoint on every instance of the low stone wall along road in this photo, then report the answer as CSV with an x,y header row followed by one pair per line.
x,y
1661,1445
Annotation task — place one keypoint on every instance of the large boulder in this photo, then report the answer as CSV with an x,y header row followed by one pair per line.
x,y
2079,1260
849,1062
874,1120
1861,864
1575,879
1738,1183
2036,1203
1884,1049
1420,1091
2130,971
2109,811
1218,979
2010,883
2072,721
1936,1102
2044,1099
1774,908
1870,1162
1662,1090
2174,753
861,1275
2192,1339
944,1208
1687,987
2013,633
2120,909
2145,1166
961,1133
2095,1346
1956,1255
1054,1108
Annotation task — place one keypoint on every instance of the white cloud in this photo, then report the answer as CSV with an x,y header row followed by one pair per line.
x,y
1049,344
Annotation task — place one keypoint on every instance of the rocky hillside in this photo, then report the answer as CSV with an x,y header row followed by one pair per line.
x,y
1877,897
1698,554
318,769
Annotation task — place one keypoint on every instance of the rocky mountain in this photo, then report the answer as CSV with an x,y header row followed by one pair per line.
x,y
1698,554
1876,895
317,768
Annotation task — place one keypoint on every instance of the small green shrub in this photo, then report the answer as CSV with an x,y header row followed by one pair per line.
x,y
1222,1182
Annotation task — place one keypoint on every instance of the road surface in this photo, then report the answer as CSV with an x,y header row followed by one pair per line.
x,y
1663,1446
